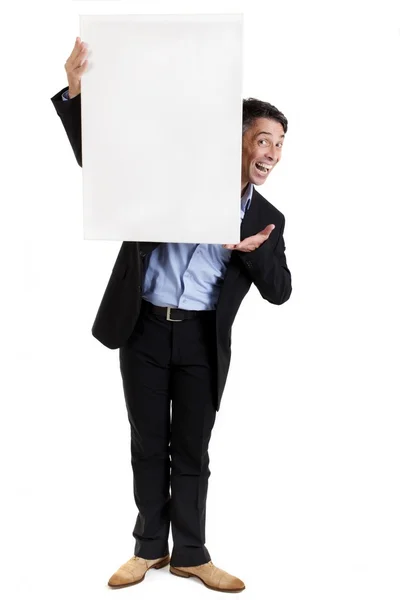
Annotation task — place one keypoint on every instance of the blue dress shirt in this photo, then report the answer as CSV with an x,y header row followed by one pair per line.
x,y
187,276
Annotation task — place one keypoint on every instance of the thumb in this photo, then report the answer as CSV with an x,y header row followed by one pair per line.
x,y
268,229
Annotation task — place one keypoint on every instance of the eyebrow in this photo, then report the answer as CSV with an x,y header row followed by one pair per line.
x,y
268,133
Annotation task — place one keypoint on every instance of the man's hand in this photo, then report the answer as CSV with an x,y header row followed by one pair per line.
x,y
75,66
252,243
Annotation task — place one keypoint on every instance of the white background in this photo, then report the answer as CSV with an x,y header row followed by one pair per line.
x,y
304,491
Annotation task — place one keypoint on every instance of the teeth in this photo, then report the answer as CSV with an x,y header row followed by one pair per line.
x,y
263,166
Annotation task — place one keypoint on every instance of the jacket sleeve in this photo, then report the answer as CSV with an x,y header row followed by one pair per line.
x,y
70,114
268,269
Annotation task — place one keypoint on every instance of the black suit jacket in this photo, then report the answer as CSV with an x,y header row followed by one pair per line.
x,y
265,267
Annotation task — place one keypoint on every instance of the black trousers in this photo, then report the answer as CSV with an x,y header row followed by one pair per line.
x,y
169,377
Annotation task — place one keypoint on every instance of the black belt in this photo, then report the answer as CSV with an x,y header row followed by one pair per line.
x,y
174,314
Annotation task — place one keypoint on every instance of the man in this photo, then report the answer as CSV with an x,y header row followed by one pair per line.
x,y
169,308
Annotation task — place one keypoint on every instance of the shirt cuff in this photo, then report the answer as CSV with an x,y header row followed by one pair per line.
x,y
65,95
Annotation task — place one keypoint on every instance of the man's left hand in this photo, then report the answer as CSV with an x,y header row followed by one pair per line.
x,y
253,242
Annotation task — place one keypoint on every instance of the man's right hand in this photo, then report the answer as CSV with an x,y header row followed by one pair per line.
x,y
75,67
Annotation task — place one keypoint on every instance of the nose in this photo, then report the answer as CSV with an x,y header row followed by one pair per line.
x,y
271,154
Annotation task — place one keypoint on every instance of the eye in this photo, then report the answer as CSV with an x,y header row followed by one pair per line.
x,y
263,141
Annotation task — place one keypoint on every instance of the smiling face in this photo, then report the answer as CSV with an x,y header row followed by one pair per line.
x,y
261,150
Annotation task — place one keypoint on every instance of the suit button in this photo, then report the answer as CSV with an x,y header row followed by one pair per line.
x,y
139,288
142,254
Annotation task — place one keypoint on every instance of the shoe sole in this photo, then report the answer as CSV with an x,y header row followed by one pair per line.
x,y
159,565
179,573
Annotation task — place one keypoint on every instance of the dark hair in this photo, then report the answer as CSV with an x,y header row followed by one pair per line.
x,y
255,109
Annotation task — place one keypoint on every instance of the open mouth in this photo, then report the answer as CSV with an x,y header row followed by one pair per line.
x,y
263,167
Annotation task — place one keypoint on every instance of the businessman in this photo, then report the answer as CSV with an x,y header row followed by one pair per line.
x,y
169,308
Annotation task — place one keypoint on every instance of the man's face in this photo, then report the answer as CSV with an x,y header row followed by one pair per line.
x,y
261,150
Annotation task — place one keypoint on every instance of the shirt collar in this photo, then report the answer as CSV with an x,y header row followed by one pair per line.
x,y
245,200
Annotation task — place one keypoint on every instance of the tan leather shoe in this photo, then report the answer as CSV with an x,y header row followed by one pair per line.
x,y
211,576
134,570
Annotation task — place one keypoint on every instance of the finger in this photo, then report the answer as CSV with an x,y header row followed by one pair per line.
x,y
76,49
80,70
77,57
268,229
80,58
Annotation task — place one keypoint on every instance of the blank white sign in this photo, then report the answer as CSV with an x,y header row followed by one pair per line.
x,y
162,127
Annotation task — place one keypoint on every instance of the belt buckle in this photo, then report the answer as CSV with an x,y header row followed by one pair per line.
x,y
168,317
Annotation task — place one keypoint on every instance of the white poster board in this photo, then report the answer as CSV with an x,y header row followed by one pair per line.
x,y
162,127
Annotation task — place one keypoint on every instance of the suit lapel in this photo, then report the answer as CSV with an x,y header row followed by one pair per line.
x,y
147,247
250,224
